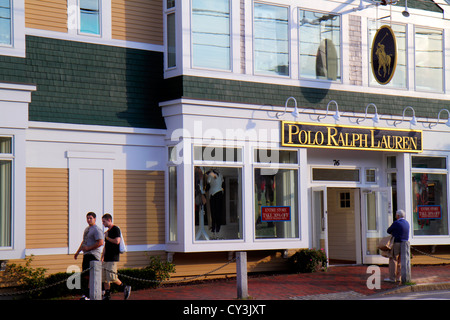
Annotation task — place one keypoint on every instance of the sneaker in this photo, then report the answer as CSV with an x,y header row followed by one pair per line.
x,y
83,297
389,280
126,292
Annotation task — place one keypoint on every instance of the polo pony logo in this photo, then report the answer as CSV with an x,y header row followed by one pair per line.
x,y
384,55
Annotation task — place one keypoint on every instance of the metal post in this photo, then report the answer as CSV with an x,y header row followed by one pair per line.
x,y
95,281
405,262
241,275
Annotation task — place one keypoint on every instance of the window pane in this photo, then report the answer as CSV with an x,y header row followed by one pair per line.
x,y
271,39
89,16
218,154
211,34
276,203
429,162
5,22
171,48
218,203
430,216
5,203
320,45
173,228
428,57
170,4
275,156
5,145
400,74
335,174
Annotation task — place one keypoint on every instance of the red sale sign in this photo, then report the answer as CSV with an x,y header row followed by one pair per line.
x,y
429,212
275,214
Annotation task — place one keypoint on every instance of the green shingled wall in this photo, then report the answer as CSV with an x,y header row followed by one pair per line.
x,y
276,95
89,84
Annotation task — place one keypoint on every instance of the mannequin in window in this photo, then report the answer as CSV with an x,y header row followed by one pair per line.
x,y
214,180
265,185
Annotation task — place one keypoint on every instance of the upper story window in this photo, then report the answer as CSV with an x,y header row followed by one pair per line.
x,y
399,80
5,22
171,56
5,191
429,59
271,39
211,46
320,45
90,16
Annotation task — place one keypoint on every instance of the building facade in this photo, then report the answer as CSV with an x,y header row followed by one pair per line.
x,y
209,127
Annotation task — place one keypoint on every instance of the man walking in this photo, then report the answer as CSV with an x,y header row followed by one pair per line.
x,y
110,257
400,231
91,247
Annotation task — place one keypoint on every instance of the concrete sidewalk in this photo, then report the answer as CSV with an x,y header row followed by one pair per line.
x,y
337,283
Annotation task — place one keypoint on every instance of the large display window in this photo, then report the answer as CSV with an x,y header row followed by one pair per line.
x,y
429,196
276,194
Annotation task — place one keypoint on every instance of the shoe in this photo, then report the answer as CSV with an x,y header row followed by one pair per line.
x,y
126,292
83,297
388,280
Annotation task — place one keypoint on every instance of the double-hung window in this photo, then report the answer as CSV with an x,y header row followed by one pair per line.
x,y
5,23
5,191
211,39
90,17
319,47
271,39
171,56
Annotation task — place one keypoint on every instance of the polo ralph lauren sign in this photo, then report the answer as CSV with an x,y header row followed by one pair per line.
x,y
309,135
384,55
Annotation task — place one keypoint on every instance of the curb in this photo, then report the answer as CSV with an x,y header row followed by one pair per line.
x,y
417,288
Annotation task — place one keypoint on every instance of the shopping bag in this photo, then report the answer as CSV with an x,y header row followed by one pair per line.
x,y
386,243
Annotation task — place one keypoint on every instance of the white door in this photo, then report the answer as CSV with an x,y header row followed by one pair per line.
x,y
319,211
376,217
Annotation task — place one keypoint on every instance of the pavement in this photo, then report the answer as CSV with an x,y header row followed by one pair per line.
x,y
351,282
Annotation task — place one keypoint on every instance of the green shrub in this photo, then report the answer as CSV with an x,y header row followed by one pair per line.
x,y
308,260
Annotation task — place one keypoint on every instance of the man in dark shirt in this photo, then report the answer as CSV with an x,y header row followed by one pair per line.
x,y
110,257
399,229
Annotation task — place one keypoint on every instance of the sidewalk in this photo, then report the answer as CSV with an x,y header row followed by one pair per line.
x,y
338,283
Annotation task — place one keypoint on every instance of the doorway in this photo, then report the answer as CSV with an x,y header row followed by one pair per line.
x,y
348,222
343,213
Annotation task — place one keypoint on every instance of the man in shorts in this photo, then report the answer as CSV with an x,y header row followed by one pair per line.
x,y
91,246
110,257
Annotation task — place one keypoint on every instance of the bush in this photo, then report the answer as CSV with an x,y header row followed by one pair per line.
x,y
55,285
308,260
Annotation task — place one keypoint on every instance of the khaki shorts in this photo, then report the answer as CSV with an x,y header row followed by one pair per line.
x,y
110,271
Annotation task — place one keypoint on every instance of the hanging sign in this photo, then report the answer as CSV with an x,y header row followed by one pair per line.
x,y
384,55
310,135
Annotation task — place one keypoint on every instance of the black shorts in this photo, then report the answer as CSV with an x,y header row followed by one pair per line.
x,y
87,258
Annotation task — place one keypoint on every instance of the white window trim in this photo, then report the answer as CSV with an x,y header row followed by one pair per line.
x,y
73,20
17,46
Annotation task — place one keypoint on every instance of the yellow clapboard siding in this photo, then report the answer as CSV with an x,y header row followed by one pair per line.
x,y
46,14
136,20
47,208
139,205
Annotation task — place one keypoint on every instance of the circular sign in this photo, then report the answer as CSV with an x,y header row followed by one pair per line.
x,y
384,55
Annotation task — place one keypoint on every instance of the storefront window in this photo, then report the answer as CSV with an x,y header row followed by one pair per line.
x,y
218,203
276,204
320,41
429,188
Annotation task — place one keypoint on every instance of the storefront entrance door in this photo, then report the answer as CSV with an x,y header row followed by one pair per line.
x,y
376,217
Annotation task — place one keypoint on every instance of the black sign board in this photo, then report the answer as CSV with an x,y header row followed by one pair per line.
x,y
309,135
384,55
